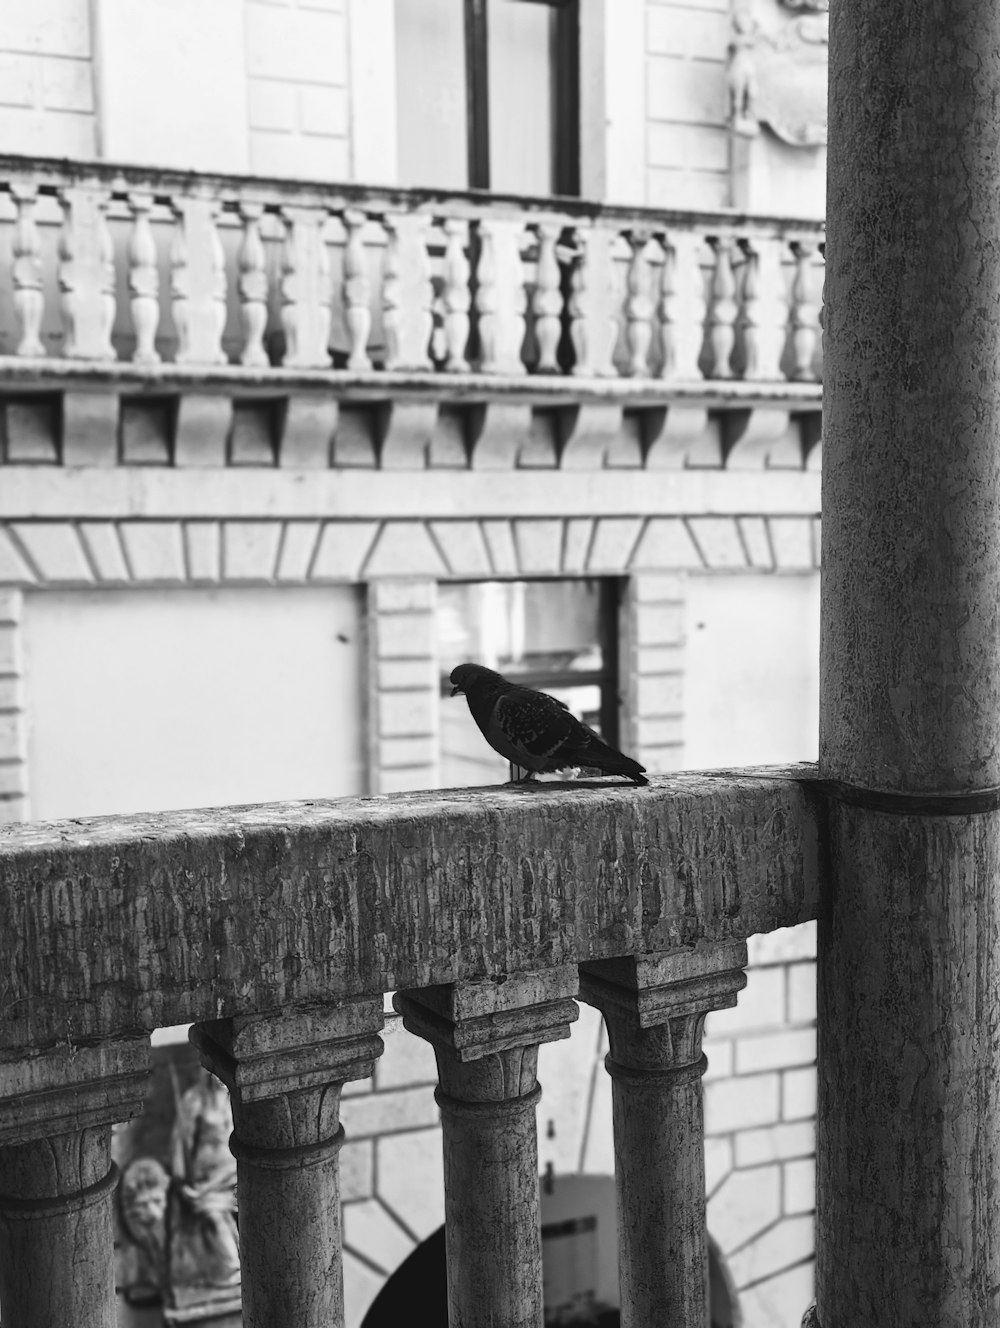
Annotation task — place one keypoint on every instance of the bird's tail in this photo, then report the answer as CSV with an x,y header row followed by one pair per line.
x,y
612,762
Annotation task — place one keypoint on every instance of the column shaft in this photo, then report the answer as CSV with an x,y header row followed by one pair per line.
x,y
909,953
56,1232
492,1231
290,1239
660,1173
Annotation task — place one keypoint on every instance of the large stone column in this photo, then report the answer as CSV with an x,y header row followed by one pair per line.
x,y
57,1179
909,958
285,1073
486,1037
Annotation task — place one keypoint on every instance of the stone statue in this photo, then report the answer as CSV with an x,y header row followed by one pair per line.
x,y
203,1250
776,70
741,74
142,1200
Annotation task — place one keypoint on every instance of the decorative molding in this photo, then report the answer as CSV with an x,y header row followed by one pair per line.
x,y
95,422
277,551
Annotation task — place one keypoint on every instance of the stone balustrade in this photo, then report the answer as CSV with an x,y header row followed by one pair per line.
x,y
276,930
107,265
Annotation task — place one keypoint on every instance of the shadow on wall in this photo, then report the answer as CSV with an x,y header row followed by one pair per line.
x,y
579,1259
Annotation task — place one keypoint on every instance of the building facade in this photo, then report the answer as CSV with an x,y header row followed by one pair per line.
x,y
343,340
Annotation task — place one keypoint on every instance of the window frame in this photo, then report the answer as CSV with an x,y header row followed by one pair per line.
x,y
566,107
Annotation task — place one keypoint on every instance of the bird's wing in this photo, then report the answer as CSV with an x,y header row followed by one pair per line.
x,y
532,729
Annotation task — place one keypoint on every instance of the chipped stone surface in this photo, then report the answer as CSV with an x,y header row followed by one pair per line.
x,y
109,925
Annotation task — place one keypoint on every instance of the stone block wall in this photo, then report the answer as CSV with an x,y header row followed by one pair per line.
x,y
687,139
297,88
13,736
46,80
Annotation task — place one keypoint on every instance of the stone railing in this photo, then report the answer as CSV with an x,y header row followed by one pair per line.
x,y
157,270
276,930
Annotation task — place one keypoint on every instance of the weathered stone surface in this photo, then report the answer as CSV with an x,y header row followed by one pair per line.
x,y
109,925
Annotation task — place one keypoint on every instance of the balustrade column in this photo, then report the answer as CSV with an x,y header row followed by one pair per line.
x,y
655,1008
198,281
285,1074
86,274
486,1037
305,288
26,271
407,294
500,296
595,303
683,305
57,1180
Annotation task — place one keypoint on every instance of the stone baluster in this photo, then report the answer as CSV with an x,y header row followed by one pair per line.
x,y
251,286
547,300
500,295
638,305
357,291
86,274
764,316
143,280
407,293
198,282
723,309
486,1037
306,289
682,305
594,305
457,296
805,311
26,271
57,1180
285,1073
655,1007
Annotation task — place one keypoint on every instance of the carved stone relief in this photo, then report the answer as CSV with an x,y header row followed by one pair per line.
x,y
777,69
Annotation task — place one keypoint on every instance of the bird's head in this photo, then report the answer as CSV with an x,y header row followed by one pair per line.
x,y
466,676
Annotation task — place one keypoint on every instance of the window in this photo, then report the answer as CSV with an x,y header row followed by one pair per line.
x,y
558,636
488,95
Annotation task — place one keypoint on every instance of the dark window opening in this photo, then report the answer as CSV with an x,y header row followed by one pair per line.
x,y
560,636
488,95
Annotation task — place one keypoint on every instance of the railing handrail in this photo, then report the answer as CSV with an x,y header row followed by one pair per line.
x,y
115,924
125,177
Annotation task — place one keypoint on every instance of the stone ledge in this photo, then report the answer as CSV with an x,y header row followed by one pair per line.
x,y
145,921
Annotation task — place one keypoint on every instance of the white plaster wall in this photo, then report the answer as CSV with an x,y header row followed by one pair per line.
x,y
46,78
297,84
154,699
751,682
171,83
687,140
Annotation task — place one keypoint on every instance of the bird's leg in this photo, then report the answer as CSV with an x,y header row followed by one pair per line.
x,y
519,774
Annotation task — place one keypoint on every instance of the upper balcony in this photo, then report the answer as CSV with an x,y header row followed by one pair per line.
x,y
128,285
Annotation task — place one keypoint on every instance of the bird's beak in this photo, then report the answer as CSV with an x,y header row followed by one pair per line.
x,y
456,691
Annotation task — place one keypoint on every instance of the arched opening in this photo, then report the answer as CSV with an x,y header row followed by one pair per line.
x,y
580,1266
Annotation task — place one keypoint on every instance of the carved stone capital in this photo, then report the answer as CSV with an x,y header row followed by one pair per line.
x,y
655,1005
67,1088
486,1034
285,1071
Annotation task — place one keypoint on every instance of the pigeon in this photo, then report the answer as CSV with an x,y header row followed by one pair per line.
x,y
533,730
